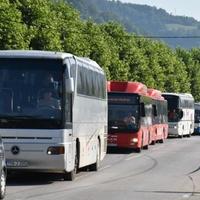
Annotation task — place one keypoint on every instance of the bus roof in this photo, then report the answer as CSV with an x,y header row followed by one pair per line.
x,y
127,87
33,54
181,95
36,54
155,94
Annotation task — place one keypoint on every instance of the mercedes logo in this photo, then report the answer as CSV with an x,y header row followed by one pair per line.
x,y
15,150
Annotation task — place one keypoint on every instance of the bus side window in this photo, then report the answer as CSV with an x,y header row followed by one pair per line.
x,y
154,110
142,110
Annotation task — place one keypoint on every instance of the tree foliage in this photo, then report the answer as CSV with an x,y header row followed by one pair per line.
x,y
57,26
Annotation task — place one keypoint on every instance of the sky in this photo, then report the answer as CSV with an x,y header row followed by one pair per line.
x,y
190,8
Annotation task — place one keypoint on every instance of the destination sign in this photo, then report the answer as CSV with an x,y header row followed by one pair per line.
x,y
114,98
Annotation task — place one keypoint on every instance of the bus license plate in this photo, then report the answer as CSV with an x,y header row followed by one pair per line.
x,y
16,163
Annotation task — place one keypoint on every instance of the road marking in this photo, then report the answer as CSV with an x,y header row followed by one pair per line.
x,y
133,157
156,148
107,166
187,196
87,174
82,176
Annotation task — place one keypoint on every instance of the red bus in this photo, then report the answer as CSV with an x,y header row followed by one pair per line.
x,y
159,116
129,115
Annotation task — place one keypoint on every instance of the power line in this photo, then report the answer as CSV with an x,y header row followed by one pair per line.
x,y
167,37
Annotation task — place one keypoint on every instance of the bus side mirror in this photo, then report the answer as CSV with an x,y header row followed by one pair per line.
x,y
142,110
180,114
69,85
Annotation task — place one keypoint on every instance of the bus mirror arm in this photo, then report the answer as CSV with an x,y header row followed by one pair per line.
x,y
69,85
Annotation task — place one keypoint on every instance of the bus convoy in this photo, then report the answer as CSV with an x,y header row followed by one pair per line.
x,y
53,112
58,113
137,116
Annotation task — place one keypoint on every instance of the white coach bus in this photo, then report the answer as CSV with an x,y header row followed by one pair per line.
x,y
180,113
53,112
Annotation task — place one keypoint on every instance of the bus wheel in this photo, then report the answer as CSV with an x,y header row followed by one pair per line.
x,y
95,166
153,142
161,141
180,136
138,150
2,184
146,147
70,176
189,135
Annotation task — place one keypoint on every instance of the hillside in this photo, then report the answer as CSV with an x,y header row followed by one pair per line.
x,y
142,19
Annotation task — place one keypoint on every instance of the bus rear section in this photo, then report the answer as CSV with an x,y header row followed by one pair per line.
x,y
129,115
159,114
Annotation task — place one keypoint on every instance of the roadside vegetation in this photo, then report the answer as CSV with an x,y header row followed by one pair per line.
x,y
56,26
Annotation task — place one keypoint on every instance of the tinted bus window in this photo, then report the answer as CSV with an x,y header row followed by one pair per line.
x,y
173,101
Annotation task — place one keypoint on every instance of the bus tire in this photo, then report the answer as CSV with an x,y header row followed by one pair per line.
x,y
146,147
95,166
2,184
189,135
161,141
138,150
180,136
70,176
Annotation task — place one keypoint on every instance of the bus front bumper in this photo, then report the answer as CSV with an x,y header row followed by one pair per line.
x,y
34,158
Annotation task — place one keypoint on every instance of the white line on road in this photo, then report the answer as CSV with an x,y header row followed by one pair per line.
x,y
186,196
107,166
87,174
133,157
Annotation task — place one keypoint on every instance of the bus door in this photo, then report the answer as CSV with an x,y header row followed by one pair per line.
x,y
69,138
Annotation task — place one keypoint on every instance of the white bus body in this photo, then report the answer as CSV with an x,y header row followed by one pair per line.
x,y
50,139
180,113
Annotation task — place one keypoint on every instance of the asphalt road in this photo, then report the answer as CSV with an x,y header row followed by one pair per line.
x,y
169,171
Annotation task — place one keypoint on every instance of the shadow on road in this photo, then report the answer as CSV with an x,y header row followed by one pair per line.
x,y
16,179
115,150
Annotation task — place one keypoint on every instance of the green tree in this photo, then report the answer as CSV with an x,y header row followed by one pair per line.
x,y
71,29
13,33
191,60
42,24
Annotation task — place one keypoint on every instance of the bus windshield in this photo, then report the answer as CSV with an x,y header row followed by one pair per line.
x,y
31,93
197,116
123,118
175,115
173,101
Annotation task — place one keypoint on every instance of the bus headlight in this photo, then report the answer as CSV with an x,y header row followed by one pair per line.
x,y
175,127
135,140
56,150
